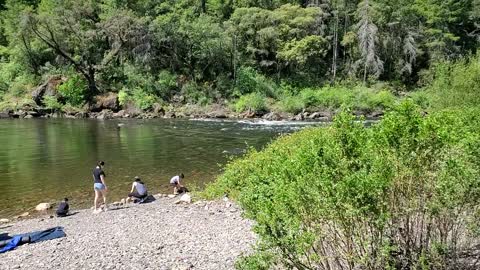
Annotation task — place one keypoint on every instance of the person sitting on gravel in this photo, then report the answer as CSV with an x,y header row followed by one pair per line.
x,y
139,190
175,182
62,210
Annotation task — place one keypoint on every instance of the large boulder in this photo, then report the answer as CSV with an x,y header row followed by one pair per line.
x,y
107,101
43,207
49,88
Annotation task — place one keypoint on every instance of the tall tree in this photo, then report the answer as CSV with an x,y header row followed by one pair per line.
x,y
367,38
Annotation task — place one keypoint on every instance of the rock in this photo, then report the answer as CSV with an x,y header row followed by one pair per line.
x,y
26,214
298,117
34,113
178,99
273,116
375,115
4,220
5,114
123,201
228,204
107,101
105,114
119,114
171,196
28,116
225,199
169,115
43,207
219,114
49,88
19,114
81,115
177,202
116,203
186,198
158,109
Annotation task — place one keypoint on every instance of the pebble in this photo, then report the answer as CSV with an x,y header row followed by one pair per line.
x,y
167,236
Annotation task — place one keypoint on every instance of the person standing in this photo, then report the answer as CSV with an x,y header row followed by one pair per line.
x,y
99,186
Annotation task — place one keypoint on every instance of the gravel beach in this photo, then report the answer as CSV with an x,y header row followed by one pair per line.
x,y
156,235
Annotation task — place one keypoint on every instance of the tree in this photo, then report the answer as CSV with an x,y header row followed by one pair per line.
x,y
367,37
84,37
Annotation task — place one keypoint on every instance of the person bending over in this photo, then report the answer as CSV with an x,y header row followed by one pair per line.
x,y
175,182
62,210
139,190
99,186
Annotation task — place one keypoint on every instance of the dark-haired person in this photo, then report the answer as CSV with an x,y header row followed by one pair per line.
x,y
99,186
175,182
139,190
62,210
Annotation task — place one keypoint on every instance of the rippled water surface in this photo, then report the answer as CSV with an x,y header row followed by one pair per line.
x,y
44,160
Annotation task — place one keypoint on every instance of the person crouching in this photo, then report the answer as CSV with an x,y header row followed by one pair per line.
x,y
63,207
139,190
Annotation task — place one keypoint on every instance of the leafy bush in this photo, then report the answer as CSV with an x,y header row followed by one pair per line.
x,y
74,90
455,84
254,102
402,194
52,103
123,97
143,100
249,81
291,104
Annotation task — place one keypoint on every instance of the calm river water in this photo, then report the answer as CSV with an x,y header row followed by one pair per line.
x,y
44,160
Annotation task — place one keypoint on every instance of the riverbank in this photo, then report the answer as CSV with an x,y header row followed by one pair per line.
x,y
156,235
183,112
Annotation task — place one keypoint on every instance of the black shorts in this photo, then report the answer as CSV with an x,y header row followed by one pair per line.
x,y
136,195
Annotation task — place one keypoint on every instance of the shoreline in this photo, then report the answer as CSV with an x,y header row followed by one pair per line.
x,y
215,111
162,234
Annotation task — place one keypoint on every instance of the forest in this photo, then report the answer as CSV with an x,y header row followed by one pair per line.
x,y
267,55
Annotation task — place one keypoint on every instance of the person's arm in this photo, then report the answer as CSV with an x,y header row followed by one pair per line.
x,y
133,187
102,178
180,184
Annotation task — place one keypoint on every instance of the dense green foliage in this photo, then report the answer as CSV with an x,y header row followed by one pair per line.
x,y
212,50
401,194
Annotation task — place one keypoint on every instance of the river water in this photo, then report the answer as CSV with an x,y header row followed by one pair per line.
x,y
45,160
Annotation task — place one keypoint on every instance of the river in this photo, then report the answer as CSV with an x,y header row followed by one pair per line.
x,y
45,160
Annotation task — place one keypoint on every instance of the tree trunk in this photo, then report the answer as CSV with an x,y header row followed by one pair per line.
x,y
204,6
92,84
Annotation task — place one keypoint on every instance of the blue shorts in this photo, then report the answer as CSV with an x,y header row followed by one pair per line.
x,y
98,186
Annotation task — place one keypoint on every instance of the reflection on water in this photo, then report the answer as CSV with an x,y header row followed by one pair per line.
x,y
44,160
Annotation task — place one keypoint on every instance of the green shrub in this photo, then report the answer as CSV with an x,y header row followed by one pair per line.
x,y
143,100
291,104
249,81
123,97
74,90
254,102
52,103
166,84
455,84
402,194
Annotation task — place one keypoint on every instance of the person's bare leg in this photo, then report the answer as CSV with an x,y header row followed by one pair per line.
x,y
97,194
104,195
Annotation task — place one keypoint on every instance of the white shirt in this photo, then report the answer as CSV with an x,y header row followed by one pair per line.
x,y
175,179
141,189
